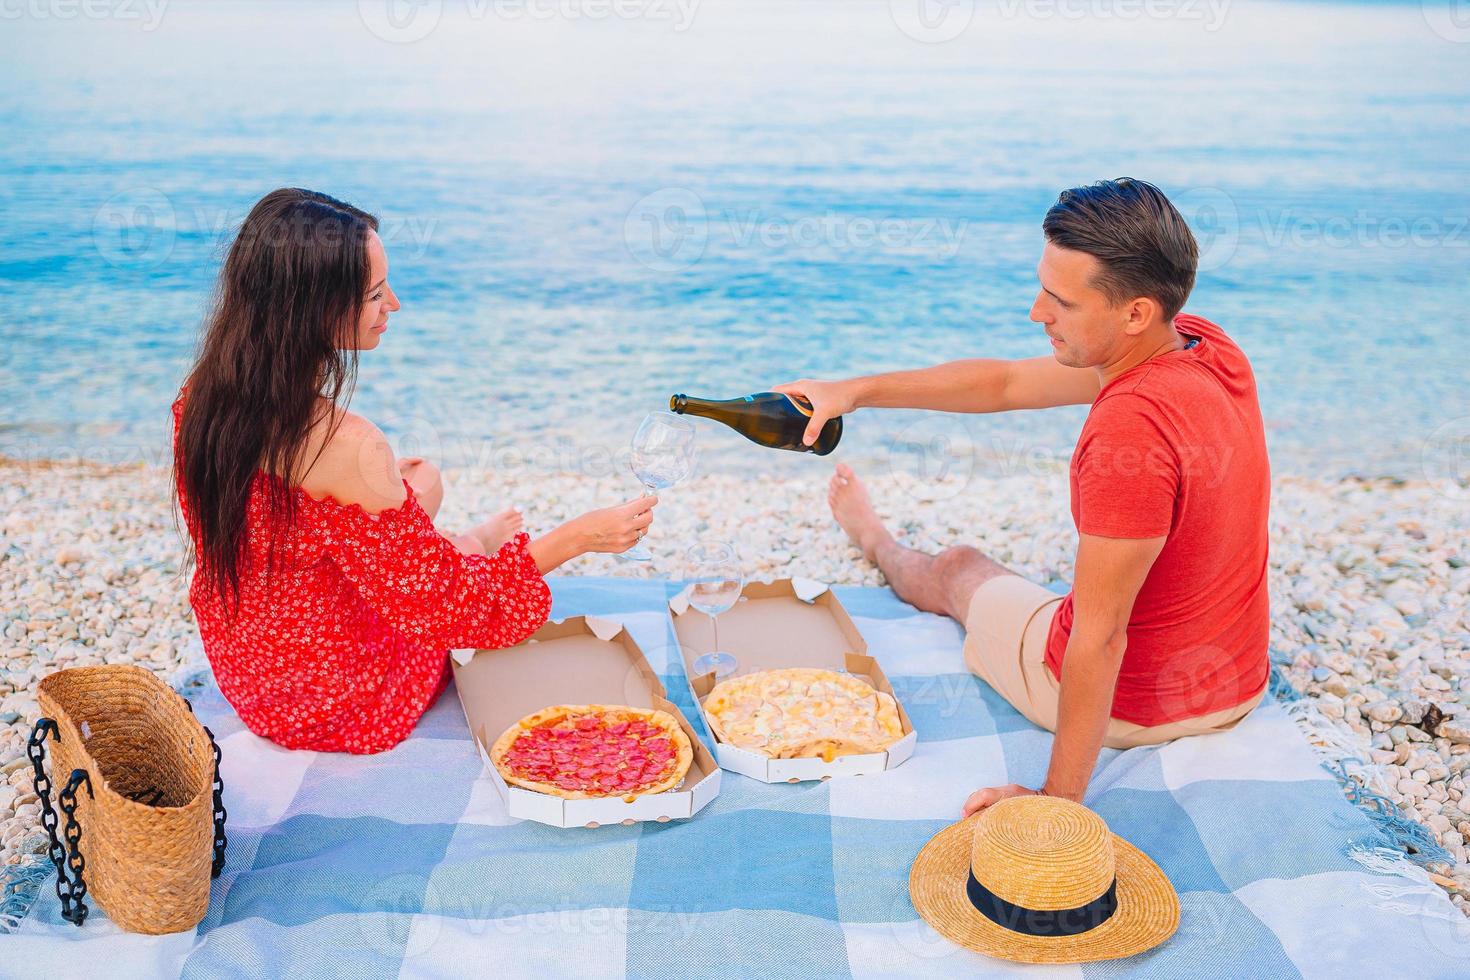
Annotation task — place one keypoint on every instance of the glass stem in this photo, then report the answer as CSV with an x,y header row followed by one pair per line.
x,y
714,624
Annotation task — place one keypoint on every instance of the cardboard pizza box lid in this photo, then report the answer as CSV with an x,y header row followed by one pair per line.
x,y
786,623
581,660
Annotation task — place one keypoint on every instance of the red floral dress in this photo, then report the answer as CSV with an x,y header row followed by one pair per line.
x,y
346,645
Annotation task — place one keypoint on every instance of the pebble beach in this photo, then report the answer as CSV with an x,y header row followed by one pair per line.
x,y
1370,591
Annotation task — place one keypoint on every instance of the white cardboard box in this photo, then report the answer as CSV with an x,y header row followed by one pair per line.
x,y
582,660
787,623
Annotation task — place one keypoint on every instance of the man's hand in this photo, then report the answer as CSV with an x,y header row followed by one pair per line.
x,y
829,399
982,799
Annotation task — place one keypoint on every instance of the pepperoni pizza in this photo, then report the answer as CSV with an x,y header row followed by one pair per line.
x,y
583,751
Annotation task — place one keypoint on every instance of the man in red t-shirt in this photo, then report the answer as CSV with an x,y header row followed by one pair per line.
x,y
1164,633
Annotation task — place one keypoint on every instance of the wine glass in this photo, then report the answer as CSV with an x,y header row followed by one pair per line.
x,y
715,581
663,455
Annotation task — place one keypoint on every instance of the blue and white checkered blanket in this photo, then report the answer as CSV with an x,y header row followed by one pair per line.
x,y
406,864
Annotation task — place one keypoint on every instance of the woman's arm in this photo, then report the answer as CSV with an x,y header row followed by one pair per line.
x,y
427,483
612,530
358,467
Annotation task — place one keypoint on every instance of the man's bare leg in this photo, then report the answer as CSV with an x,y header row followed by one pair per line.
x,y
942,583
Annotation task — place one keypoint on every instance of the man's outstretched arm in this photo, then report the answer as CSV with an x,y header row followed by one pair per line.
x,y
976,385
1110,571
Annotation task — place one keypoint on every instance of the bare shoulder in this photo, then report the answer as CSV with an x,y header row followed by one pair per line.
x,y
350,460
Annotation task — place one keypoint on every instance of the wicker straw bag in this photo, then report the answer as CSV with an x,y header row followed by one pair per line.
x,y
140,791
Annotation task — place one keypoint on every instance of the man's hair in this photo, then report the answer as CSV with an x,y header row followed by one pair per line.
x,y
1130,227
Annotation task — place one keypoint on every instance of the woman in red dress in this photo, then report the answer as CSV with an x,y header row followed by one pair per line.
x,y
326,598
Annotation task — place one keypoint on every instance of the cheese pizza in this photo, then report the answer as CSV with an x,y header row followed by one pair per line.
x,y
803,712
582,751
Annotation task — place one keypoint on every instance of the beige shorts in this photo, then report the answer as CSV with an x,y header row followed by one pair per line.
x,y
1005,643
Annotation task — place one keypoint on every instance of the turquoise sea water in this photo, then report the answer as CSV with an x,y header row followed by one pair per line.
x,y
585,211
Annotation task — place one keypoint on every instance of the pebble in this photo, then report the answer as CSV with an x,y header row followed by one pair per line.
x,y
69,554
1371,609
1412,788
1455,731
1385,711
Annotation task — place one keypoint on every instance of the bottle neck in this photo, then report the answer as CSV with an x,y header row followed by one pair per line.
x,y
684,405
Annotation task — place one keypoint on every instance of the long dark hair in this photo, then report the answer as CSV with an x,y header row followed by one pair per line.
x,y
281,334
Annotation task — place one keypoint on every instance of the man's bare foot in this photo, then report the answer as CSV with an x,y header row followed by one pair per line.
x,y
849,501
499,529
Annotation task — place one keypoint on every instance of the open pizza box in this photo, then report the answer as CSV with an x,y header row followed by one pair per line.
x,y
582,660
786,623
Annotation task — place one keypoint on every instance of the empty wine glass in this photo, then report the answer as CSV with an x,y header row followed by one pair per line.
x,y
715,581
663,455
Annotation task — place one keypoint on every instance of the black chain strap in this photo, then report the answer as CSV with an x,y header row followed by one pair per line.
x,y
220,840
36,750
67,799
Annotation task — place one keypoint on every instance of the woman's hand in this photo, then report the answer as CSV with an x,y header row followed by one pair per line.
x,y
829,399
613,530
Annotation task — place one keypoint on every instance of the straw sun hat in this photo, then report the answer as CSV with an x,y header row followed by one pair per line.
x,y
1039,879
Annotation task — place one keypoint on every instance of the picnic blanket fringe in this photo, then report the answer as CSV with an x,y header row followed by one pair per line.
x,y
19,885
1342,755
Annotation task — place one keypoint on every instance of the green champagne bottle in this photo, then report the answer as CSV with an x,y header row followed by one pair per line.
x,y
768,419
